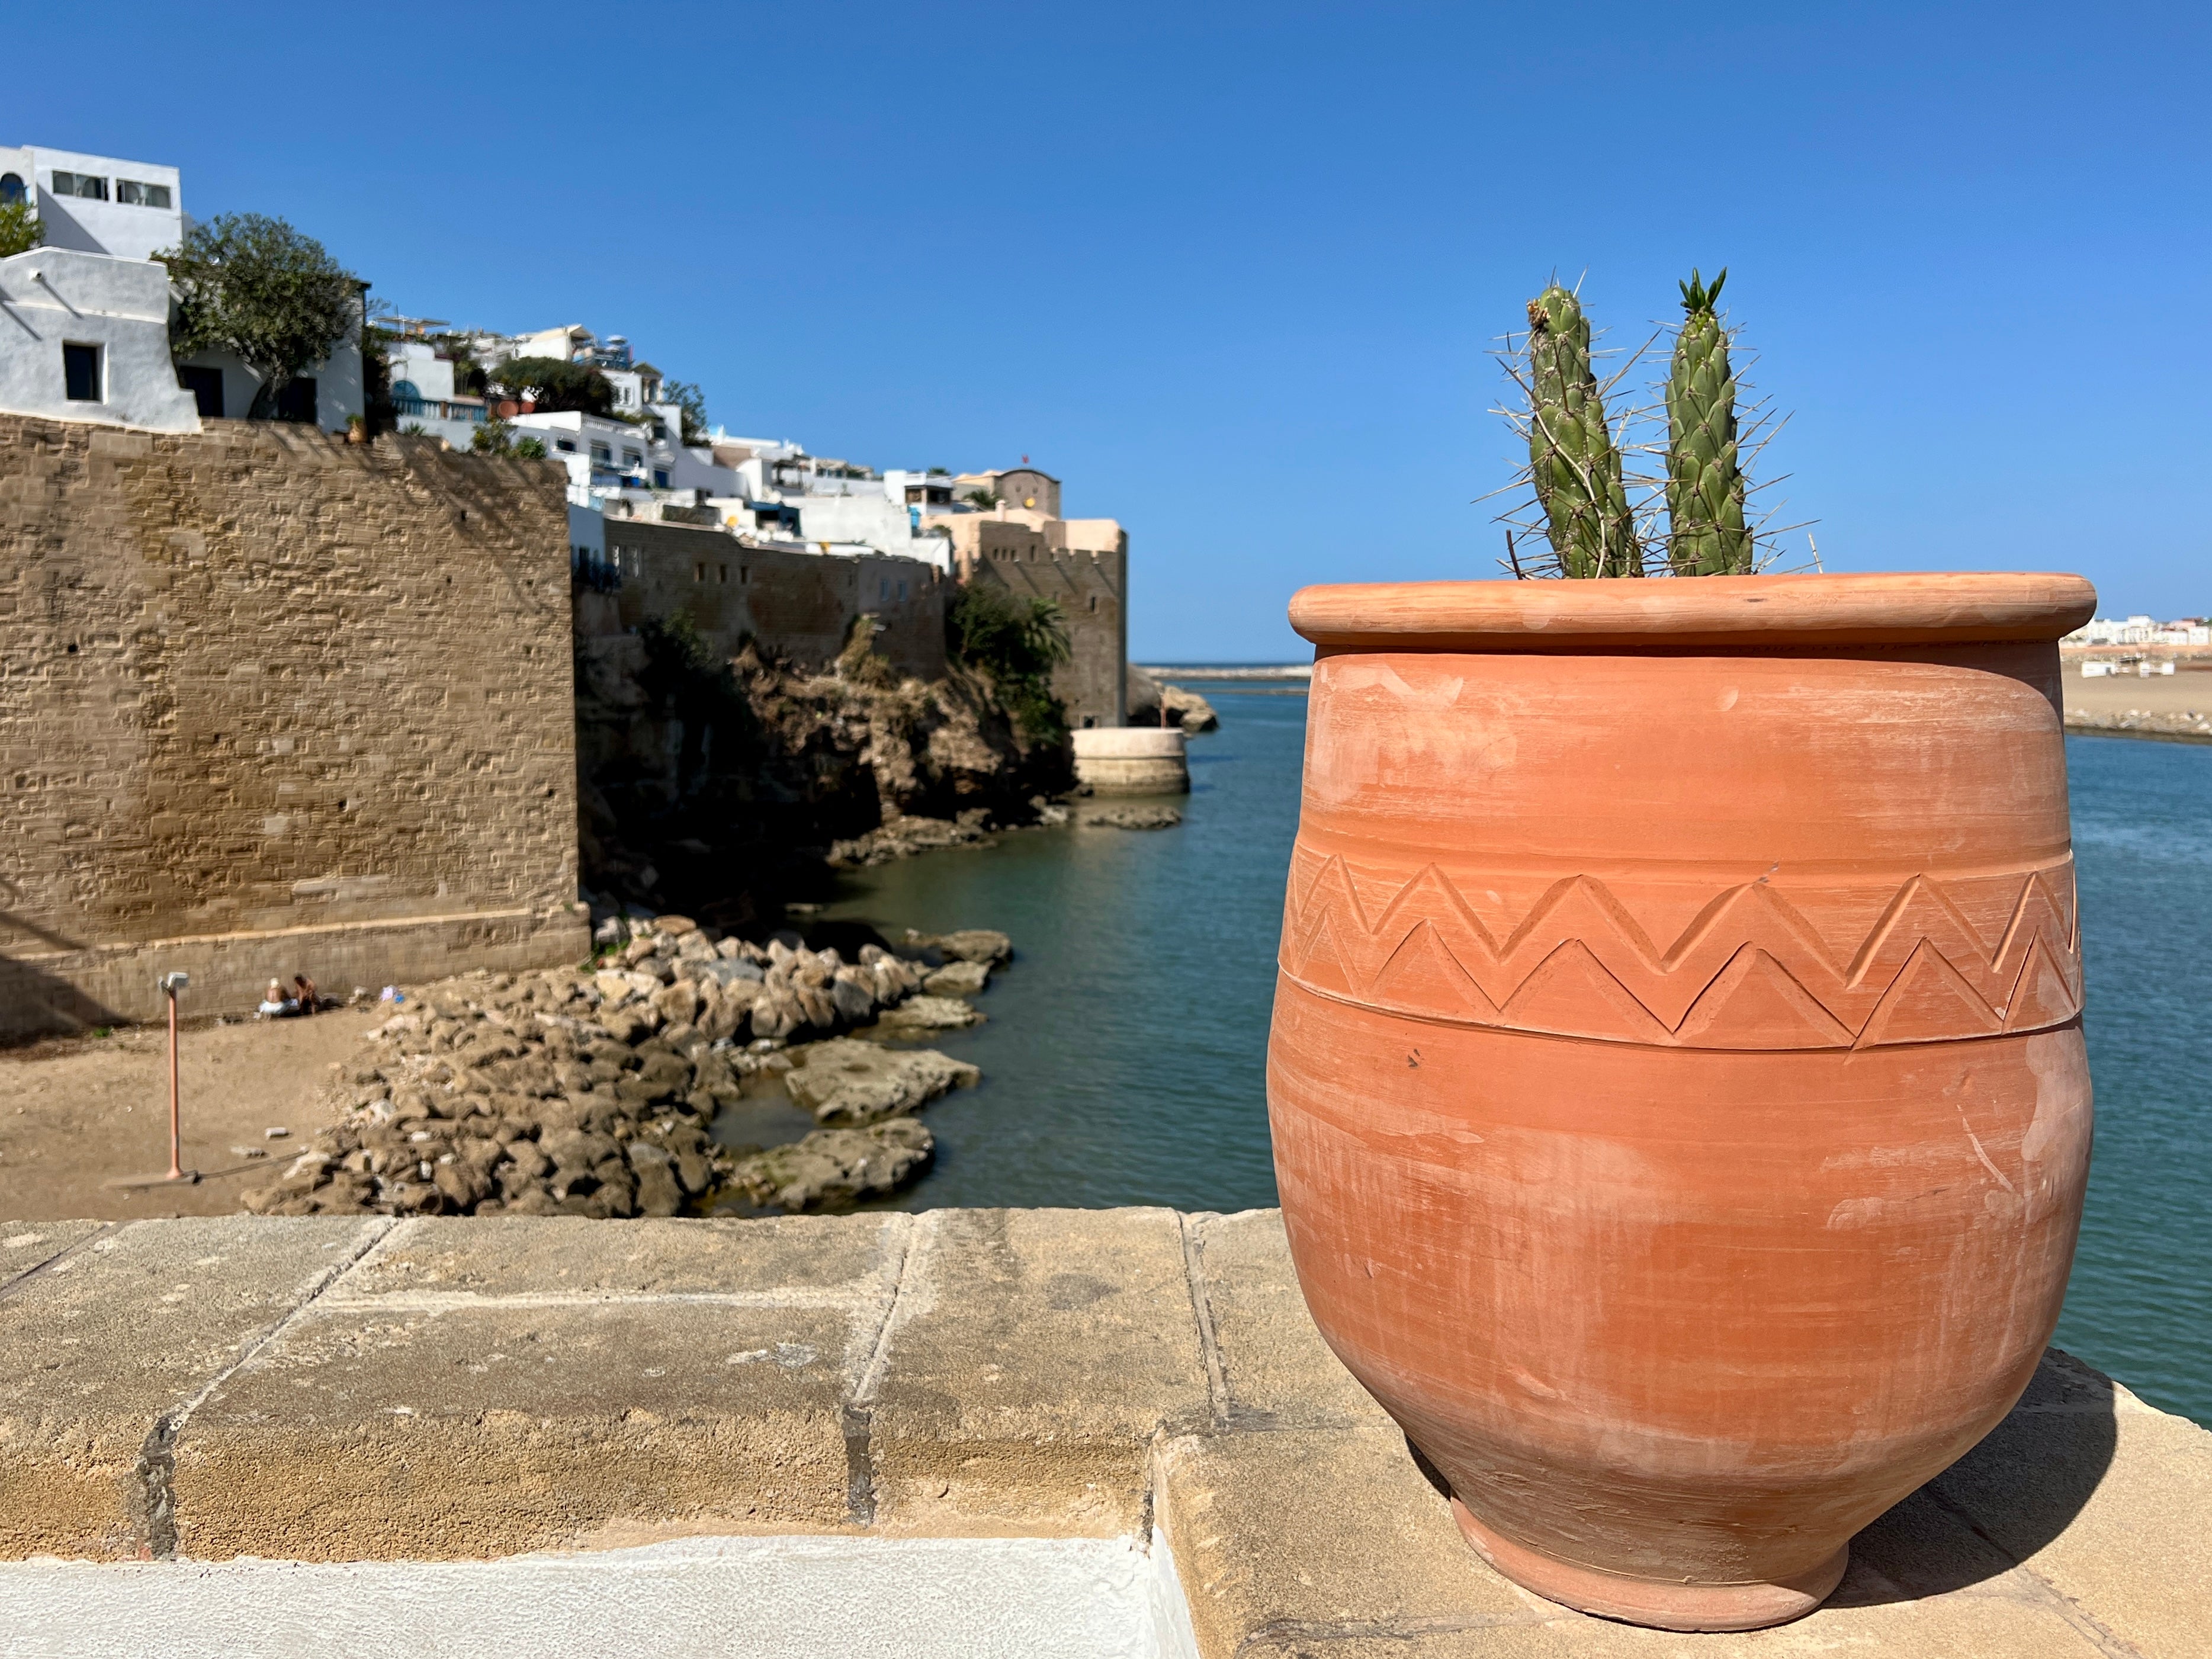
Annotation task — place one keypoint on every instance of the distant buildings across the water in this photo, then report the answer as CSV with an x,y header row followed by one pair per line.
x,y
2141,630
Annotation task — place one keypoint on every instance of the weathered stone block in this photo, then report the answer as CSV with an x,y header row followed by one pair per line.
x,y
1334,1530
1031,1359
383,1429
101,1352
1276,1369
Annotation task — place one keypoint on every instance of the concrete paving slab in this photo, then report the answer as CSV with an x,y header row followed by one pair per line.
x,y
1330,1531
1276,1369
1030,1360
111,1344
509,1255
26,1246
2105,1498
1968,1626
366,1434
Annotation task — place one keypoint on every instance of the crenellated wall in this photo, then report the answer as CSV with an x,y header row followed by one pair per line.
x,y
1082,565
273,704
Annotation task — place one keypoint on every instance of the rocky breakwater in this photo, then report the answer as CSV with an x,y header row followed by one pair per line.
x,y
594,1092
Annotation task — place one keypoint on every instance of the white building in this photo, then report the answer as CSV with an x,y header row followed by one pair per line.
x,y
86,337
2141,630
423,395
97,204
606,457
118,214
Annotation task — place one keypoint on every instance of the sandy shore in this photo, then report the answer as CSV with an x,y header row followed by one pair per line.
x,y
2178,705
78,1111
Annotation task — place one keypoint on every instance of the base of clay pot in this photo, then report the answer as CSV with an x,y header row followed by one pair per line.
x,y
1645,1602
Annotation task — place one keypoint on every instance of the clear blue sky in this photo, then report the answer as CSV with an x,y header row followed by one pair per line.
x,y
1231,272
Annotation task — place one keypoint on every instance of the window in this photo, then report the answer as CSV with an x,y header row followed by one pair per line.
x,y
884,588
152,196
744,572
81,371
92,188
601,453
633,458
901,590
206,386
11,188
659,477
1090,721
1094,602
726,573
566,445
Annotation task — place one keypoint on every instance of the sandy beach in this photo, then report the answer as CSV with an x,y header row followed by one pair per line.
x,y
2172,706
75,1112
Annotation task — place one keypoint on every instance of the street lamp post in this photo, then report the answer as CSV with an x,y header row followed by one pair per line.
x,y
171,984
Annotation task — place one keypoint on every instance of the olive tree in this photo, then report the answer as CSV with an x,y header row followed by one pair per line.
x,y
20,229
270,296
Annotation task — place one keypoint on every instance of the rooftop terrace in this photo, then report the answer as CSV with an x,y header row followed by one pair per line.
x,y
966,1431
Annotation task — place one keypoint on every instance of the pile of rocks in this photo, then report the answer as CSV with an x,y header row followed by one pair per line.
x,y
572,1092
2187,724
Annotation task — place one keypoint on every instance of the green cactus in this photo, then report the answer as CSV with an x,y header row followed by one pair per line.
x,y
1705,533
1571,457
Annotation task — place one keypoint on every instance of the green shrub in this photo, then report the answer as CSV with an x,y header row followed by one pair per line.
x,y
1017,641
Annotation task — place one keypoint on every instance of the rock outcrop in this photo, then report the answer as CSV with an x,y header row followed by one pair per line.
x,y
1148,696
593,1093
729,787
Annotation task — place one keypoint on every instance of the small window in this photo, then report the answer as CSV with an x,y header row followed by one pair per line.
x,y
566,445
726,573
1090,721
632,457
87,185
80,370
660,479
601,453
901,590
11,188
206,386
152,196
884,588
744,572
1094,602
699,572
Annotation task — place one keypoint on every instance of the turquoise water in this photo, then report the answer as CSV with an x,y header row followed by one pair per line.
x,y
1124,1061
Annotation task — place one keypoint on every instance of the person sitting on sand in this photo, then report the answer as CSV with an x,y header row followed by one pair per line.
x,y
275,1004
306,989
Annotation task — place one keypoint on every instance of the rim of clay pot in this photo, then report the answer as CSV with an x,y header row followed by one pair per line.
x,y
1666,612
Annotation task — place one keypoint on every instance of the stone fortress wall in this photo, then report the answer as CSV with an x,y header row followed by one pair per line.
x,y
1084,565
798,605
268,704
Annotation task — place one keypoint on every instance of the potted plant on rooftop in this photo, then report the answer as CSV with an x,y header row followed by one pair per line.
x,y
1680,1103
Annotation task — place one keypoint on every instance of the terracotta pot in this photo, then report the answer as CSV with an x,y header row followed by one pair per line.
x,y
1679,1097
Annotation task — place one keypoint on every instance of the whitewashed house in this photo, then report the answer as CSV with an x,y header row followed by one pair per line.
x,y
105,208
86,337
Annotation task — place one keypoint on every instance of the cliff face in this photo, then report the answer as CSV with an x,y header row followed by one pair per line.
x,y
721,788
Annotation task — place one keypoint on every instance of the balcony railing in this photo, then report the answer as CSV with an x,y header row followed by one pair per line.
x,y
437,408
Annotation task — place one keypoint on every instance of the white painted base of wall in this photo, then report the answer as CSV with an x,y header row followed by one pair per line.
x,y
837,1597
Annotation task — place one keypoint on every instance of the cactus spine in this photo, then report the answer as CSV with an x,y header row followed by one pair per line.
x,y
1571,457
1706,535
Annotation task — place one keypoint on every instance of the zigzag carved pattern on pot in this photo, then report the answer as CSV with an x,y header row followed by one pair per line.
x,y
1750,971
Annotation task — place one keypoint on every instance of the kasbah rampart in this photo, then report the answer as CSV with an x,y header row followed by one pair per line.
x,y
273,698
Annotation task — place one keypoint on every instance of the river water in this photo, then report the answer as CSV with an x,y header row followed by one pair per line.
x,y
1124,1058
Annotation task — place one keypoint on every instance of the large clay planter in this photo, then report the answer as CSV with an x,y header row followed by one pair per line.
x,y
1677,1081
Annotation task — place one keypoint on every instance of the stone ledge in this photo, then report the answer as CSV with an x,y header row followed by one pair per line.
x,y
337,1390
